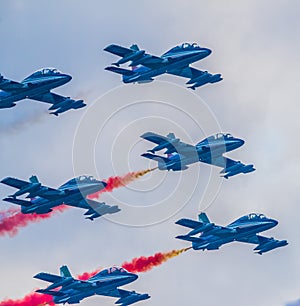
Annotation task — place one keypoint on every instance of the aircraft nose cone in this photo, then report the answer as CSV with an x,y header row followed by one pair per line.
x,y
100,184
241,142
133,277
68,78
207,51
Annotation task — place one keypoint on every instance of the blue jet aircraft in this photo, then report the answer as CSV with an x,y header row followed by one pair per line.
x,y
244,229
144,67
105,283
37,87
209,151
72,193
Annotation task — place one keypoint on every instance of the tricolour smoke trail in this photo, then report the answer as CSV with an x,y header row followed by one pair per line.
x,y
139,264
13,219
144,264
119,181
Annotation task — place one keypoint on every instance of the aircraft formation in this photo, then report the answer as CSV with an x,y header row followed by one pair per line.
x,y
34,198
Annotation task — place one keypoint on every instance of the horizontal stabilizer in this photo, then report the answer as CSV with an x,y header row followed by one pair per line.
x,y
50,292
47,277
189,238
189,223
120,71
18,202
155,157
119,50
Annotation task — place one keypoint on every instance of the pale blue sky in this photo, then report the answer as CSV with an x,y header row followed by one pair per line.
x,y
256,48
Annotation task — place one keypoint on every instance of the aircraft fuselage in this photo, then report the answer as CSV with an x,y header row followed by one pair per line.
x,y
173,61
34,87
69,195
239,230
96,285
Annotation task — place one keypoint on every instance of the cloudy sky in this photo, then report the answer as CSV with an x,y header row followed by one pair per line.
x,y
256,48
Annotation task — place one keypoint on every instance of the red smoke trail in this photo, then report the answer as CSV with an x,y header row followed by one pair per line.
x,y
144,264
12,220
119,181
87,275
31,299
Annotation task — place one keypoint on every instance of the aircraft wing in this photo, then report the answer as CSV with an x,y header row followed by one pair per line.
x,y
187,72
50,98
196,77
264,244
219,161
59,103
10,86
94,209
55,99
230,167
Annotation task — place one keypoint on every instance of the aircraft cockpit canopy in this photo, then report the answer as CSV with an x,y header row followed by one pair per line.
x,y
49,71
80,179
116,270
256,216
83,178
250,217
42,72
188,46
184,46
221,136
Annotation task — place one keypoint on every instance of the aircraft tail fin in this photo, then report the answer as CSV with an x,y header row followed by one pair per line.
x,y
171,136
34,179
203,218
121,71
64,271
135,47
